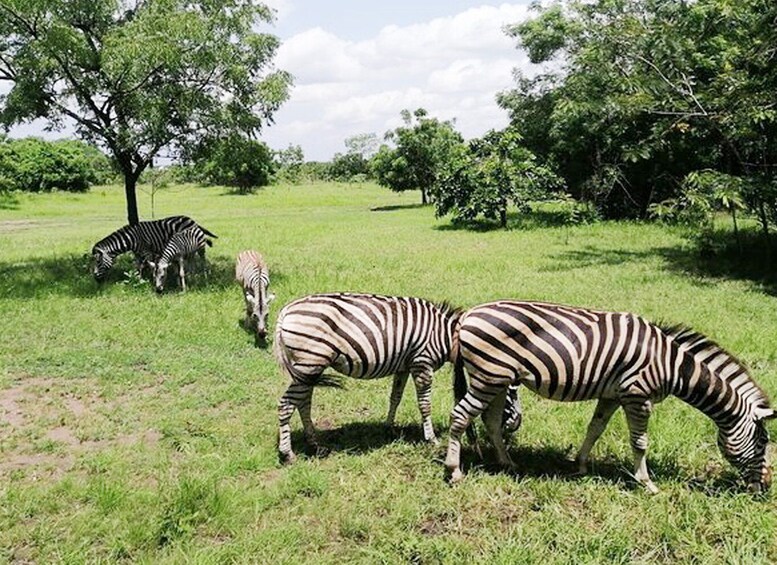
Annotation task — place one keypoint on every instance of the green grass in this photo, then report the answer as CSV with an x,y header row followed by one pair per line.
x,y
142,428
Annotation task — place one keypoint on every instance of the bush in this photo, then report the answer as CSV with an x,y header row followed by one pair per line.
x,y
36,165
235,161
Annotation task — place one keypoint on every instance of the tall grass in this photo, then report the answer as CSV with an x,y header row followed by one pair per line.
x,y
140,427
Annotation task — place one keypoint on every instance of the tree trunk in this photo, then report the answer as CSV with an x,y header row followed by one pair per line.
x,y
503,216
424,199
130,184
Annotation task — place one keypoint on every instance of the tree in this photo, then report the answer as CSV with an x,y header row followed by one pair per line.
x,y
289,162
139,76
487,175
364,144
421,145
346,166
236,161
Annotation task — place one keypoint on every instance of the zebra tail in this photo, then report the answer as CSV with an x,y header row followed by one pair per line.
x,y
208,233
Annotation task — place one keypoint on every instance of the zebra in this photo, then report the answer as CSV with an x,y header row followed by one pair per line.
x,y
181,245
252,274
364,336
567,353
146,239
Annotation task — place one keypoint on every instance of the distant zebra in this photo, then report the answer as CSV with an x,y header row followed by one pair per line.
x,y
363,336
182,245
146,240
567,353
252,274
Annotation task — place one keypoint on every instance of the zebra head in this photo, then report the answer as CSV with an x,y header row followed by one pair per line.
x,y
260,310
103,261
745,446
160,274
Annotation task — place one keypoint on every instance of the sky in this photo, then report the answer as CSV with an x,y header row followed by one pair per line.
x,y
357,65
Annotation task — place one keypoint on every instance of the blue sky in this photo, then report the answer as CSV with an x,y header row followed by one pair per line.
x,y
358,64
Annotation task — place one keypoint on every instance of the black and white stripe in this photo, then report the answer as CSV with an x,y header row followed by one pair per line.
x,y
363,336
254,278
146,240
181,246
566,353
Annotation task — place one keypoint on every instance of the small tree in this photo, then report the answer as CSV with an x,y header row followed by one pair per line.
x,y
486,176
422,145
289,163
235,161
136,77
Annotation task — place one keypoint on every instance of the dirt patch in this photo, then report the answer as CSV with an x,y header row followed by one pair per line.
x,y
18,225
35,410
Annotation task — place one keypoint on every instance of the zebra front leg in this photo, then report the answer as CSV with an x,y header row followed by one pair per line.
x,y
423,388
397,389
637,415
492,417
294,396
604,410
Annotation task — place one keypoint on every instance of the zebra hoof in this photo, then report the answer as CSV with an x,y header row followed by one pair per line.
x,y
287,458
650,487
456,476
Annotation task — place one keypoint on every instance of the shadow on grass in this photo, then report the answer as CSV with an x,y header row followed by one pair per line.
x,y
72,275
554,463
515,221
721,258
395,207
356,438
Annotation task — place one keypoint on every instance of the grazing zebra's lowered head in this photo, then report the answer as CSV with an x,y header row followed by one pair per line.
x,y
181,245
146,240
252,274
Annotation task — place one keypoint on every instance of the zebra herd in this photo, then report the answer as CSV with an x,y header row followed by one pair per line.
x,y
559,352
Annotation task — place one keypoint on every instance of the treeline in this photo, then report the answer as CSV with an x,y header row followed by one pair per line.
x,y
655,108
36,165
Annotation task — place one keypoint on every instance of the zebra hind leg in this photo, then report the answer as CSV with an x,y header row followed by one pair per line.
x,y
604,410
397,389
308,428
297,395
492,417
423,387
472,405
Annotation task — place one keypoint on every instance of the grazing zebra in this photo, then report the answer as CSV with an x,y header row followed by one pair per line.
x,y
252,274
363,336
181,245
146,239
566,353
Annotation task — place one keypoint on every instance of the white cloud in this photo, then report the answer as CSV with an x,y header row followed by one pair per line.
x,y
452,66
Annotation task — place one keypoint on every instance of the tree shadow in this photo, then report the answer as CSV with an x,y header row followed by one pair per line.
x,y
8,201
395,207
593,257
520,221
66,274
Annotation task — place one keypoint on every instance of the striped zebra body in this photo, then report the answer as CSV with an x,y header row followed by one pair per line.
x,y
182,245
146,240
568,354
363,336
254,277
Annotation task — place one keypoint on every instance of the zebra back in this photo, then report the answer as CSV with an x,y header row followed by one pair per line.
x,y
252,274
363,335
183,244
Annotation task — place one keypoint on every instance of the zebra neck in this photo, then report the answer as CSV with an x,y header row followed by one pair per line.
x,y
707,391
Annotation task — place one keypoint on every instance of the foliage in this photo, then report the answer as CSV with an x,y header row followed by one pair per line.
x,y
139,77
485,176
346,167
289,163
35,165
421,146
364,144
235,161
648,92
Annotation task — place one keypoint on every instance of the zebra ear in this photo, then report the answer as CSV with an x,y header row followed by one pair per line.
x,y
764,413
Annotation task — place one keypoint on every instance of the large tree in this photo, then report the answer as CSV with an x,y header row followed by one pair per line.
x,y
137,76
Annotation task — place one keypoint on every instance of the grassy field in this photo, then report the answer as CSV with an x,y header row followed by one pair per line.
x,y
142,428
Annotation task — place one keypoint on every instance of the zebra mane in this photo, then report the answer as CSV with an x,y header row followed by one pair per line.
x,y
726,362
449,309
